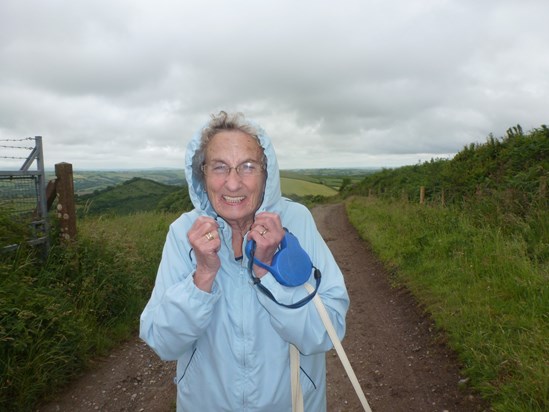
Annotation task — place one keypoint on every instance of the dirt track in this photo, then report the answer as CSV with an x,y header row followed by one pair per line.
x,y
400,360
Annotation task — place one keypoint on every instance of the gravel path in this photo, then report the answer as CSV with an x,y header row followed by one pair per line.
x,y
401,361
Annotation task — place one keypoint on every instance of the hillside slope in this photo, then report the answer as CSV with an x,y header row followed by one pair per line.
x,y
134,195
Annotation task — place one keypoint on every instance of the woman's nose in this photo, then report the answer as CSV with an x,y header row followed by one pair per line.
x,y
233,179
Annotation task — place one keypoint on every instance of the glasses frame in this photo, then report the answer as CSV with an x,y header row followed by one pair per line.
x,y
260,169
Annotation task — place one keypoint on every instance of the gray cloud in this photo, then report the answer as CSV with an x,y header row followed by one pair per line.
x,y
384,83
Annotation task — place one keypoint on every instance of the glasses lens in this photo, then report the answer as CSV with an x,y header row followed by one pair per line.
x,y
219,169
215,169
248,169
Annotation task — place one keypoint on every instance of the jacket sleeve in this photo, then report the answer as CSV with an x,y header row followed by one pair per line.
x,y
303,326
177,312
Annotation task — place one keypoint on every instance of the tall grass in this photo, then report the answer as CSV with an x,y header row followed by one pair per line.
x,y
486,287
58,314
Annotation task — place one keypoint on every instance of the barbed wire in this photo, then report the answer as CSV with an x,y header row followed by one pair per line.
x,y
17,140
6,146
16,147
12,157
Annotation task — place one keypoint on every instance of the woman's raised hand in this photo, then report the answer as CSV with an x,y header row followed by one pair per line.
x,y
204,239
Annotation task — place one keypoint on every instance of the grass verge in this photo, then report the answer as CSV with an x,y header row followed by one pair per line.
x,y
56,315
482,287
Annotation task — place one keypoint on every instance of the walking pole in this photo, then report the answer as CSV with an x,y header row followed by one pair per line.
x,y
339,348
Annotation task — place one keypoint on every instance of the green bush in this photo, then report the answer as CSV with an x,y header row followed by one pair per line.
x,y
42,342
12,231
509,168
57,314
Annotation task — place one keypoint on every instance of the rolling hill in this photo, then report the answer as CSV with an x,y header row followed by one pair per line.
x,y
134,195
139,194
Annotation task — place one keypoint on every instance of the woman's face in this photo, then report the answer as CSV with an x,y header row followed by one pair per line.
x,y
235,197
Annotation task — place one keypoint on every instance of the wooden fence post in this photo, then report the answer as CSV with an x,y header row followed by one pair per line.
x,y
66,210
422,195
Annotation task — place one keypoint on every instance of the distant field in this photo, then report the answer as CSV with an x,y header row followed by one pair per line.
x,y
301,182
304,188
329,177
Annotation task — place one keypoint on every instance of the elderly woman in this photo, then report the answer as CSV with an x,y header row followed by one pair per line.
x,y
230,340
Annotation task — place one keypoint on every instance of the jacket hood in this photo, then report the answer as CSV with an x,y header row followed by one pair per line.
x,y
197,191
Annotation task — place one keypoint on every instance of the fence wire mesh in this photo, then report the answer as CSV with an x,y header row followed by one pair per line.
x,y
18,195
22,191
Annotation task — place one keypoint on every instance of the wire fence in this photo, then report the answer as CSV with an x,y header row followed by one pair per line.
x,y
22,190
18,194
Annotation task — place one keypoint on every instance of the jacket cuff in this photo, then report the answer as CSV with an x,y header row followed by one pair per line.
x,y
198,294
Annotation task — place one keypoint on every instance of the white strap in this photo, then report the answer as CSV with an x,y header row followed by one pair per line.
x,y
297,395
339,349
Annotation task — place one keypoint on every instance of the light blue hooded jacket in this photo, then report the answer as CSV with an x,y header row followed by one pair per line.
x,y
231,345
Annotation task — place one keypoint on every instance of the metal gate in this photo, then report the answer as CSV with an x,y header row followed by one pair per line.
x,y
23,191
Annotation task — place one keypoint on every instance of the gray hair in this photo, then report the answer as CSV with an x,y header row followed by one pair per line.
x,y
219,123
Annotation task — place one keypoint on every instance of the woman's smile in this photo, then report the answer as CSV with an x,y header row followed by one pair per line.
x,y
234,200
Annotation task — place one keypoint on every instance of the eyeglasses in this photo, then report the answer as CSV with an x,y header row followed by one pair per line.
x,y
244,169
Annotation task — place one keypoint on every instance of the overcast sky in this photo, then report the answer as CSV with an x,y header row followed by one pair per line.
x,y
124,83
